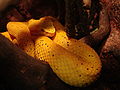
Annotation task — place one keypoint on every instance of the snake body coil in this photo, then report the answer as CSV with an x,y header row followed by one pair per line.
x,y
73,61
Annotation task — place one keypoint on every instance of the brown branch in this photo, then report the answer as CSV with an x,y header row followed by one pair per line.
x,y
104,28
18,70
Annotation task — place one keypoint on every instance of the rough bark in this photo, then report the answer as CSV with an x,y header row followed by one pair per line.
x,y
76,19
110,50
18,70
96,37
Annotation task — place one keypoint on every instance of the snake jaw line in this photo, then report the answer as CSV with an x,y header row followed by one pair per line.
x,y
41,27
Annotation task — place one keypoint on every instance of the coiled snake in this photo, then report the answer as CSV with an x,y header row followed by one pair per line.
x,y
73,61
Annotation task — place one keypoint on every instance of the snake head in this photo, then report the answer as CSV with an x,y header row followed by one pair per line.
x,y
41,27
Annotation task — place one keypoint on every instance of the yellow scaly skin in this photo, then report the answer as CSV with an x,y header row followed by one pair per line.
x,y
78,48
69,58
69,67
22,34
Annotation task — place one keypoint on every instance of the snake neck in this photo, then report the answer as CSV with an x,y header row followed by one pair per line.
x,y
61,35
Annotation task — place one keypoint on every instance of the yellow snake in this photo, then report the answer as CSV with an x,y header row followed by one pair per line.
x,y
74,62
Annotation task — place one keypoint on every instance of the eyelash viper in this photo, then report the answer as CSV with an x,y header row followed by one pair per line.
x,y
74,62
